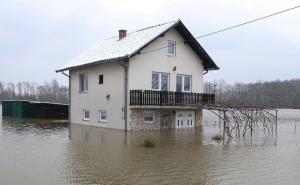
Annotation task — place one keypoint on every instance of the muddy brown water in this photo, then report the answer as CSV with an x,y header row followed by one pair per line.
x,y
41,152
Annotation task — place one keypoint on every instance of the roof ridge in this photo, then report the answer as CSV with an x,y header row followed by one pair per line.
x,y
156,25
142,29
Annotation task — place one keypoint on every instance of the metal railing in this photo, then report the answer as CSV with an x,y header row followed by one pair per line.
x,y
169,98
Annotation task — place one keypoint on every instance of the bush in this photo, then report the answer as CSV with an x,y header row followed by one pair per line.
x,y
149,142
217,137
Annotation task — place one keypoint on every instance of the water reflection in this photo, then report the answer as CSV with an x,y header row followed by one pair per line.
x,y
26,126
120,156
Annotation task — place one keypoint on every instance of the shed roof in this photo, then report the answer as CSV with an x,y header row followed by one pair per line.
x,y
113,49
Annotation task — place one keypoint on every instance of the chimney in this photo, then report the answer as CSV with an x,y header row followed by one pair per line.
x,y
122,34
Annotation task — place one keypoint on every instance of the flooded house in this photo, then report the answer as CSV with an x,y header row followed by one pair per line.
x,y
151,78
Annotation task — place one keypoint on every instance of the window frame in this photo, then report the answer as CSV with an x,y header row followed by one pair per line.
x,y
153,117
85,83
182,77
100,116
159,80
174,45
84,118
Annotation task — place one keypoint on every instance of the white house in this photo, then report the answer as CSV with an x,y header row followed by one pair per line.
x,y
151,78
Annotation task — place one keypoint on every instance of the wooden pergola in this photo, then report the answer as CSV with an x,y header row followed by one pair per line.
x,y
240,119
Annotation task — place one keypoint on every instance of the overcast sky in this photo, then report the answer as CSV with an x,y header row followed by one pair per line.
x,y
39,36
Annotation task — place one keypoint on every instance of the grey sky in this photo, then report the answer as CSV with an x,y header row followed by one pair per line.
x,y
37,37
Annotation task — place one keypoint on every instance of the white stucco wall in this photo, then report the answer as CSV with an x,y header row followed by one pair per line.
x,y
139,77
186,61
95,99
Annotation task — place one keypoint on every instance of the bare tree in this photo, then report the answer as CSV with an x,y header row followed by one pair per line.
x,y
275,94
50,92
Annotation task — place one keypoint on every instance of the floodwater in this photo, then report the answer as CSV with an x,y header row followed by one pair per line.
x,y
42,152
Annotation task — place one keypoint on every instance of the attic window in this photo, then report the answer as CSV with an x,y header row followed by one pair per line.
x,y
171,47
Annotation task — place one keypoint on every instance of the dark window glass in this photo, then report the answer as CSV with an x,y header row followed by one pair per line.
x,y
155,80
100,79
187,83
179,83
81,82
164,82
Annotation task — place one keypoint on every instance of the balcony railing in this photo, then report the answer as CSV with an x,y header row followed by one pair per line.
x,y
169,98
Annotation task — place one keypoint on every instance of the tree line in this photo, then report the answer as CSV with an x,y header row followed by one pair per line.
x,y
47,92
273,94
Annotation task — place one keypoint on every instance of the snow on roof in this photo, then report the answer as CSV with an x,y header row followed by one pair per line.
x,y
113,48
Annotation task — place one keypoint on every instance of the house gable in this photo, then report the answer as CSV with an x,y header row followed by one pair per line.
x,y
113,49
185,62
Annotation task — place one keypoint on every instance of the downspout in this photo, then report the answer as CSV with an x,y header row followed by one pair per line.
x,y
125,66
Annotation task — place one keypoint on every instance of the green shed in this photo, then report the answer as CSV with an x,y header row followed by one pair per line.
x,y
33,109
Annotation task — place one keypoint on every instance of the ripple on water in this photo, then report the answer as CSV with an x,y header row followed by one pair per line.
x,y
44,152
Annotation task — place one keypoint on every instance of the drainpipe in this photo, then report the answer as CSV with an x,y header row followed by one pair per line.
x,y
125,66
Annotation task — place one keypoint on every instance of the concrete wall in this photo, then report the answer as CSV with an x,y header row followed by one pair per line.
x,y
95,99
136,119
186,61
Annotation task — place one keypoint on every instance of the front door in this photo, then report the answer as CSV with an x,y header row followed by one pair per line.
x,y
185,119
165,120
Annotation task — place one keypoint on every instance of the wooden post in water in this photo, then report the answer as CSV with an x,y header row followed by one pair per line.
x,y
224,124
276,121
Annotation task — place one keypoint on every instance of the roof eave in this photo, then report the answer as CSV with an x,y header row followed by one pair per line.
x,y
208,63
93,63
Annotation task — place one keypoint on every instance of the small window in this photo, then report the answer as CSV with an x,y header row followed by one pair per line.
x,y
171,47
100,79
83,83
86,115
103,116
149,116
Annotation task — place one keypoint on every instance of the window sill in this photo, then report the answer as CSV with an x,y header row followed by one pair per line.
x,y
171,55
85,119
149,122
102,121
83,92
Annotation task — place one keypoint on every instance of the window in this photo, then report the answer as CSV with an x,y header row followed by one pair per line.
x,y
183,83
149,116
100,79
103,116
160,81
171,47
83,83
86,115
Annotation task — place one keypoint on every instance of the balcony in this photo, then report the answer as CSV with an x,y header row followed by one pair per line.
x,y
169,98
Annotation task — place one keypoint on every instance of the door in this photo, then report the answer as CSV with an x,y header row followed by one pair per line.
x,y
165,120
185,119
